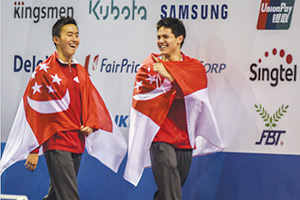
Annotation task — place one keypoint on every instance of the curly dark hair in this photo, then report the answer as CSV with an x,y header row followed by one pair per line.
x,y
174,24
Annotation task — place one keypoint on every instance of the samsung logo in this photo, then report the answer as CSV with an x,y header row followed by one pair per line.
x,y
203,12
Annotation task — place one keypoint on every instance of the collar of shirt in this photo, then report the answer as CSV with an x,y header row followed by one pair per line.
x,y
65,64
181,58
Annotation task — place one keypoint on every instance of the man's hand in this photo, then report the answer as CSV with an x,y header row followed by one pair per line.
x,y
32,161
86,130
160,68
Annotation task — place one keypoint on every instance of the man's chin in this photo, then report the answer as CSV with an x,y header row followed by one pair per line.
x,y
164,54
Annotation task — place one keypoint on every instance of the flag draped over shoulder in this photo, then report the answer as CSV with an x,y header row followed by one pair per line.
x,y
44,110
152,98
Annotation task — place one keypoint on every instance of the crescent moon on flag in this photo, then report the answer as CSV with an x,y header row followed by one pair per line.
x,y
165,87
51,106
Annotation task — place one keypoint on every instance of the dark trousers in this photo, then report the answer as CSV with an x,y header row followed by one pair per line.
x,y
170,169
63,168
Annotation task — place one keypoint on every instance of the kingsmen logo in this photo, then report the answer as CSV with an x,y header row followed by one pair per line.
x,y
271,136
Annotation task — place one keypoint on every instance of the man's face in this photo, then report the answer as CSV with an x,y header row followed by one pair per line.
x,y
167,43
68,42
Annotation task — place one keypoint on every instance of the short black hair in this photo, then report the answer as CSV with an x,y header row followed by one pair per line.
x,y
174,24
56,29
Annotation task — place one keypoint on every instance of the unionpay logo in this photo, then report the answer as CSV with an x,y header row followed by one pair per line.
x,y
271,136
275,14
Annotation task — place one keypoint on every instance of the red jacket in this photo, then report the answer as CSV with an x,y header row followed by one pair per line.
x,y
174,129
71,141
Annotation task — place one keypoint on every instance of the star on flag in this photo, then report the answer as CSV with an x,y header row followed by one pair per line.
x,y
44,67
56,79
151,78
36,88
33,74
138,85
50,88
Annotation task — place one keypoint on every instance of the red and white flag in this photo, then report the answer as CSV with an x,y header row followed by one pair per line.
x,y
44,110
152,98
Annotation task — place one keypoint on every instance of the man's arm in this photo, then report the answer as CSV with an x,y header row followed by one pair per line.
x,y
32,161
86,130
160,68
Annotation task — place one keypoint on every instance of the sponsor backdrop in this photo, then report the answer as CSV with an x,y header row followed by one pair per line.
x,y
250,50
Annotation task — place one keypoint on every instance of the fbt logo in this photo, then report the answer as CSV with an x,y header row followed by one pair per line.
x,y
122,121
214,67
28,65
270,136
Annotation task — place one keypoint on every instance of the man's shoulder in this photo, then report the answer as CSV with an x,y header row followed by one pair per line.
x,y
189,58
149,60
80,66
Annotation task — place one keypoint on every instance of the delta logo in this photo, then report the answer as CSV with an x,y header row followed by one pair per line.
x,y
275,14
270,136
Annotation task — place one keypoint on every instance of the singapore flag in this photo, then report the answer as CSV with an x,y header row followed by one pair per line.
x,y
44,110
152,98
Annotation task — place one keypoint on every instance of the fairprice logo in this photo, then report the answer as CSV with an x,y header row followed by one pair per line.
x,y
107,65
